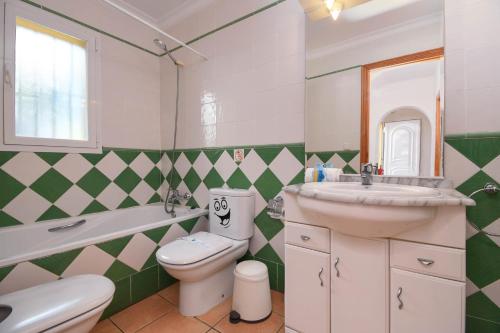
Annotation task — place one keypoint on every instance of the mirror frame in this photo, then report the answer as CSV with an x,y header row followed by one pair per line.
x,y
365,97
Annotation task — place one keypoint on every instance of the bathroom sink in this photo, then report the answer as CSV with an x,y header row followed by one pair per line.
x,y
378,210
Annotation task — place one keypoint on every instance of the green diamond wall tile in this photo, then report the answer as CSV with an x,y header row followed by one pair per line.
x,y
349,170
325,156
189,224
118,271
213,179
268,226
213,154
481,151
157,234
53,213
281,278
268,185
57,263
299,178
154,156
94,207
347,155
174,178
4,271
478,305
144,283
298,152
477,325
269,254
51,185
192,203
482,258
115,246
51,158
128,202
10,188
121,298
127,155
192,155
94,182
192,180
268,154
488,208
153,178
154,198
94,158
239,180
127,180
151,261
272,270
6,155
7,221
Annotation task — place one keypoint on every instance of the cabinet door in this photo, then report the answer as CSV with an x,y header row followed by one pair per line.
x,y
360,284
307,290
426,304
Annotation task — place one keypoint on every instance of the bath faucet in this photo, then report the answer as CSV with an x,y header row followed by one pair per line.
x,y
176,196
367,174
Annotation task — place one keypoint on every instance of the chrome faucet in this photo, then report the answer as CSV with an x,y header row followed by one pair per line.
x,y
177,196
367,174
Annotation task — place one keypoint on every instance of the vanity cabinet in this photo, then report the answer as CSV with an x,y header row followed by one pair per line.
x,y
424,303
360,281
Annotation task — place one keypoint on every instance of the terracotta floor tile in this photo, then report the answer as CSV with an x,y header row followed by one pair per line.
x,y
213,316
174,322
105,326
140,314
270,325
171,294
278,300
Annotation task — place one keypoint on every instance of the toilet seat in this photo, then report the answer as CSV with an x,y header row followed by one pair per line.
x,y
46,306
193,248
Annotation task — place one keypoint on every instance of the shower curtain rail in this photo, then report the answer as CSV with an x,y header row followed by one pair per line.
x,y
154,27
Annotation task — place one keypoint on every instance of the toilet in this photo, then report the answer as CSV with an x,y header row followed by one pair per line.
x,y
204,262
70,305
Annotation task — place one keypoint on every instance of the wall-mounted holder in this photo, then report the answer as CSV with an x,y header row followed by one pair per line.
x,y
488,188
275,208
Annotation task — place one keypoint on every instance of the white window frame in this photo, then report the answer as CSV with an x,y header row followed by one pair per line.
x,y
9,141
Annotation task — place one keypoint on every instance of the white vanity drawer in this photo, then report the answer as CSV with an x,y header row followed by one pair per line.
x,y
308,236
428,259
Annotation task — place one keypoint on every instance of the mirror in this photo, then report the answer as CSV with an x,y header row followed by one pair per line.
x,y
375,85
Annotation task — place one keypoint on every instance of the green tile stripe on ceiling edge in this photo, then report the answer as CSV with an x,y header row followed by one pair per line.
x,y
244,17
52,11
332,72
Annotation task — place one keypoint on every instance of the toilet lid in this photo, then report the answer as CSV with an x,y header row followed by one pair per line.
x,y
47,305
192,248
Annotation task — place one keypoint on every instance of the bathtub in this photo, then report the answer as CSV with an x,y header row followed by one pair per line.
x,y
24,243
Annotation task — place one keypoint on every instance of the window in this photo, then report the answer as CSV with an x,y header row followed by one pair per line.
x,y
50,83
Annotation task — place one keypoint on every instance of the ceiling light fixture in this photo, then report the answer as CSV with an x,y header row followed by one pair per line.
x,y
334,7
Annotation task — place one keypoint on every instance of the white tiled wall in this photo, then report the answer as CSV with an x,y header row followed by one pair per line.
x,y
250,91
472,58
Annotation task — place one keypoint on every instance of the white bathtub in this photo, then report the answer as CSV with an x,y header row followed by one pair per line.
x,y
23,243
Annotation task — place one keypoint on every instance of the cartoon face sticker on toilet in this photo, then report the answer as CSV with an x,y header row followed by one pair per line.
x,y
222,211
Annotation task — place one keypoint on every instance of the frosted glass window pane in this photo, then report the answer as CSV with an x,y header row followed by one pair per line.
x,y
51,84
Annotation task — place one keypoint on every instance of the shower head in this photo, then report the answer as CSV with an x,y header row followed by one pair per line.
x,y
161,44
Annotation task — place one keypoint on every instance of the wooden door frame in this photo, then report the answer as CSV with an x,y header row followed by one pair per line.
x,y
365,90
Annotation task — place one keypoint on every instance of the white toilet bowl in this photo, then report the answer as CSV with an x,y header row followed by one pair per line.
x,y
71,305
204,264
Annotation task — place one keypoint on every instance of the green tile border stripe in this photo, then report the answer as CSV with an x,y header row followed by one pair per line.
x,y
277,145
333,72
481,135
52,11
242,18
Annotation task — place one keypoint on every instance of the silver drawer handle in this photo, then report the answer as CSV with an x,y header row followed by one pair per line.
x,y
398,295
305,238
425,262
68,226
319,276
335,266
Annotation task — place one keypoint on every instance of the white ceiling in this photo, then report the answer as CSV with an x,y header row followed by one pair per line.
x,y
366,19
163,12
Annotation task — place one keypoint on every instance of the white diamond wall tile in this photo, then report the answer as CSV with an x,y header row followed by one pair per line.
x,y
492,291
73,166
25,275
142,192
278,244
470,288
201,195
112,196
142,165
458,174
286,166
225,165
174,232
253,166
91,260
26,167
202,166
257,242
201,225
494,228
74,201
182,165
111,165
27,207
137,251
337,161
493,169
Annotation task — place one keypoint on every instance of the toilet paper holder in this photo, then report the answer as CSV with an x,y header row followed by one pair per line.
x,y
276,208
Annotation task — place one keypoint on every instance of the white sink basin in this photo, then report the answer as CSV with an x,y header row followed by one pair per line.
x,y
378,210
